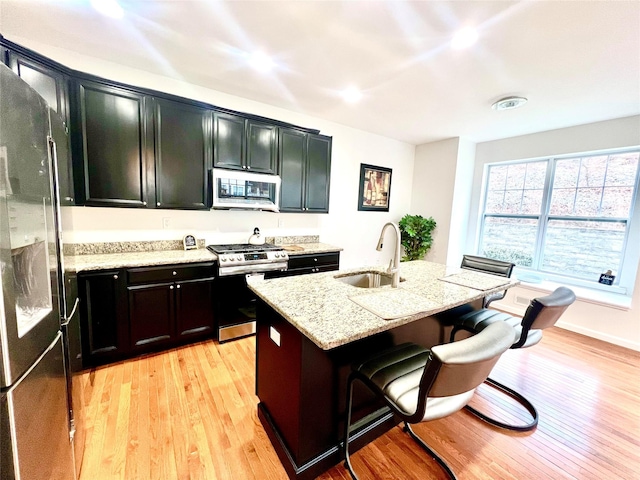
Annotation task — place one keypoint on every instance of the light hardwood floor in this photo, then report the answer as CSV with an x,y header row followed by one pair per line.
x,y
190,413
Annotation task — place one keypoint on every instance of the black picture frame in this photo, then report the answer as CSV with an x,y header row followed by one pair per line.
x,y
375,188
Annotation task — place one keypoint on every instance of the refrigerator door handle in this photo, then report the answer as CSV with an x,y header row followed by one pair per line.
x,y
65,321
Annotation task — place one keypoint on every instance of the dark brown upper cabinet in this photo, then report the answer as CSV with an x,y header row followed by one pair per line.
x,y
114,145
183,151
244,144
52,85
305,169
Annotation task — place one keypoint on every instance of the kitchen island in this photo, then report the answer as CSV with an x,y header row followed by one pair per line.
x,y
311,328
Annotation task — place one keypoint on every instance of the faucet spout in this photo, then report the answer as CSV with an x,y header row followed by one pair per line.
x,y
394,265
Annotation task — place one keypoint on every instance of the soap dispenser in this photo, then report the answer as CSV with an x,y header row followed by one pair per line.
x,y
256,238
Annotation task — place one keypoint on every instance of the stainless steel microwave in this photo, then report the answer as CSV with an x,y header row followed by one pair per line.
x,y
245,190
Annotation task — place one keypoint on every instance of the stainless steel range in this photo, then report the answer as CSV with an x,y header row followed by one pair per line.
x,y
235,303
243,258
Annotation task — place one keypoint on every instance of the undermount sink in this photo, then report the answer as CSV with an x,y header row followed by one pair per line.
x,y
367,279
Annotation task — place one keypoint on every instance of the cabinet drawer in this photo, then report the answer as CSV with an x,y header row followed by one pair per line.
x,y
169,273
319,260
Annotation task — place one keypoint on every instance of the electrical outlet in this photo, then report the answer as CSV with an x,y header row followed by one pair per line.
x,y
166,222
280,222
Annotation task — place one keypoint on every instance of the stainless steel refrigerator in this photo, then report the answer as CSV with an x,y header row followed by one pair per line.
x,y
35,429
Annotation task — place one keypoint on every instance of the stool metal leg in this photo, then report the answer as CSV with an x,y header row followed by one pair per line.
x,y
516,396
434,455
347,424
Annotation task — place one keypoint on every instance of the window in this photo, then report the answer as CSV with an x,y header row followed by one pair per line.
x,y
568,218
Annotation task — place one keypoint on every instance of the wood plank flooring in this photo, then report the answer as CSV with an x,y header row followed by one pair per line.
x,y
190,413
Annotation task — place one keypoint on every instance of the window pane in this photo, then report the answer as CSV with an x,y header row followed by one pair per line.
x,y
562,201
592,171
536,173
588,202
622,170
616,201
532,202
509,239
512,200
497,178
515,176
566,173
495,201
583,249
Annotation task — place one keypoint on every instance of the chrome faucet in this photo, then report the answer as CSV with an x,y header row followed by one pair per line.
x,y
394,264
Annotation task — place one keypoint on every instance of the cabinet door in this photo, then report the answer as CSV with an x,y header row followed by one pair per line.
x,y
183,155
318,174
194,308
114,146
103,316
229,141
151,313
52,86
293,152
261,147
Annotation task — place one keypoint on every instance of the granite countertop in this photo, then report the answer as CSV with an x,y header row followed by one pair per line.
x,y
332,313
309,248
106,261
124,259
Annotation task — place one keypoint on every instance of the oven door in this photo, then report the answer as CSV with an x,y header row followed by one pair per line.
x,y
235,307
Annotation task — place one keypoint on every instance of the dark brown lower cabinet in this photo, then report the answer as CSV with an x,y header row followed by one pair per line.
x,y
103,316
142,309
309,263
194,308
151,313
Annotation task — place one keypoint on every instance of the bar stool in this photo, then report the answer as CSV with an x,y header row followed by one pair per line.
x,y
543,312
420,385
488,265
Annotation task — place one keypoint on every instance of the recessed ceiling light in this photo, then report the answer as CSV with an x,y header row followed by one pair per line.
x,y
464,38
509,103
351,95
109,8
261,62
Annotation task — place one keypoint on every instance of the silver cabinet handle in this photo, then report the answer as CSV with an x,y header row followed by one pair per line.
x,y
248,167
177,286
144,203
69,199
171,287
115,277
158,204
174,272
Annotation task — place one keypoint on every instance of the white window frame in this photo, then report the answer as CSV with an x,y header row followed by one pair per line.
x,y
631,250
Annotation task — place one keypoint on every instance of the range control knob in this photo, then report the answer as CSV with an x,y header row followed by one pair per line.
x,y
238,258
223,259
277,255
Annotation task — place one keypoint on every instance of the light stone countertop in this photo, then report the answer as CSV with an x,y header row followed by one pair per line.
x,y
311,248
319,305
81,263
107,261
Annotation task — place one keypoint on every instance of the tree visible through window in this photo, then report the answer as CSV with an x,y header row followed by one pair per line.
x,y
565,216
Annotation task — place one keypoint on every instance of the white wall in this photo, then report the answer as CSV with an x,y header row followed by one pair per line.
x,y
356,232
616,325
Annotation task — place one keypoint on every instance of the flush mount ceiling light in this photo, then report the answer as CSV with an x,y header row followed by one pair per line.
x,y
351,95
509,103
464,38
108,8
261,62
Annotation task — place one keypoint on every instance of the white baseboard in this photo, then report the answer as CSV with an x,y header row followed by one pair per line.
x,y
622,342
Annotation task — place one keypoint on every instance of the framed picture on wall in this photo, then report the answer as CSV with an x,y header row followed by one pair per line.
x,y
375,188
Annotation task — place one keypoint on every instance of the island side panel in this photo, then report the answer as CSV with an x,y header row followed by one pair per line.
x,y
303,387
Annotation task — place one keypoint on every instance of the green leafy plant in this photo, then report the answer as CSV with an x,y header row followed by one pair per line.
x,y
416,237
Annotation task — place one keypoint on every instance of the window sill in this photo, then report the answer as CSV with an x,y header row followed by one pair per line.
x,y
598,297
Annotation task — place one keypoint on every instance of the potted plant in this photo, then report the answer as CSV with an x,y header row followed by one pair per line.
x,y
416,237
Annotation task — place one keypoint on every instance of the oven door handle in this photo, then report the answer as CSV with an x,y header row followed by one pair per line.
x,y
245,269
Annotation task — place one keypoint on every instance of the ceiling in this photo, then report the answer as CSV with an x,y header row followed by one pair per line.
x,y
576,61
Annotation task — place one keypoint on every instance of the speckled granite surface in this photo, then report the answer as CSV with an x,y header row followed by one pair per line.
x,y
310,248
108,255
101,248
80,263
293,239
320,305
